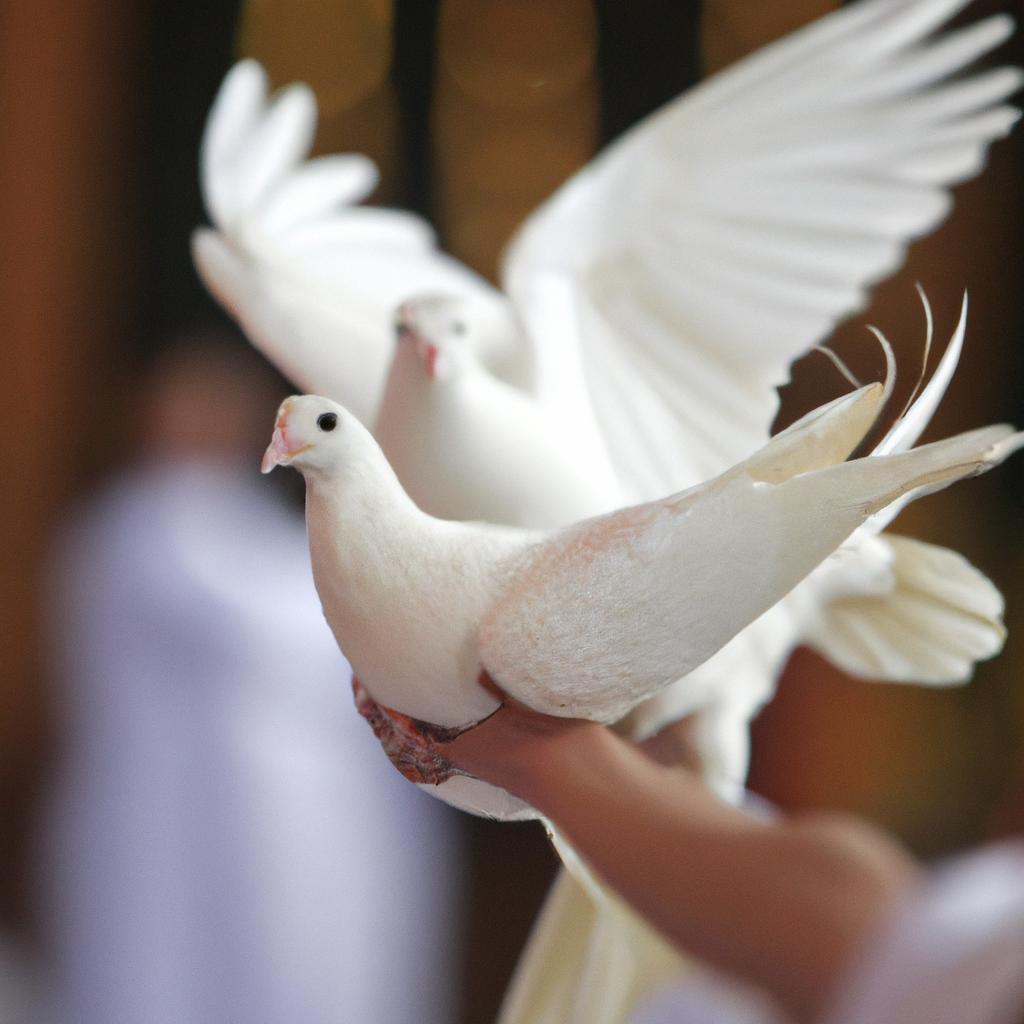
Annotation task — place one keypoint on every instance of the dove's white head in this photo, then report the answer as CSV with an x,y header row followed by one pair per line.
x,y
314,434
441,329
450,333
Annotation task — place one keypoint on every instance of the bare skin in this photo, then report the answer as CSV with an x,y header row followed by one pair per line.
x,y
785,904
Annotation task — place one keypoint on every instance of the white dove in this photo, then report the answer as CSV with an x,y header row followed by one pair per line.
x,y
467,444
643,374
590,959
658,298
591,619
661,294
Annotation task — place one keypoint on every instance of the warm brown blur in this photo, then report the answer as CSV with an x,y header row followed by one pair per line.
x,y
515,113
343,51
516,109
202,397
68,221
935,765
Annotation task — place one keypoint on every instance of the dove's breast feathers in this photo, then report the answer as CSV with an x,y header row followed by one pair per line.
x,y
404,594
474,421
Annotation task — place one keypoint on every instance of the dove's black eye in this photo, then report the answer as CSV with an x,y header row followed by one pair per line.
x,y
327,421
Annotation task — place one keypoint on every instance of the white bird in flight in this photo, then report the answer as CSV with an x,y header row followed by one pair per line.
x,y
657,299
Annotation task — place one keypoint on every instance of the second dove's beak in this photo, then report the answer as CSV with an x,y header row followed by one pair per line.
x,y
431,355
433,359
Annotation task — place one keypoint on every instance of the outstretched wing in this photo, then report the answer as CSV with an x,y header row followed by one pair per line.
x,y
312,278
612,611
727,233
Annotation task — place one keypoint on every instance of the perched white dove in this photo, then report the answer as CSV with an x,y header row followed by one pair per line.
x,y
590,958
659,296
591,619
657,299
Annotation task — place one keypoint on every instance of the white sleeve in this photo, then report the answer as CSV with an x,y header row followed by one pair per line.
x,y
953,956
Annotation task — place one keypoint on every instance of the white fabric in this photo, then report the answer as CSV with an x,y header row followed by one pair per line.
x,y
226,841
954,955
705,999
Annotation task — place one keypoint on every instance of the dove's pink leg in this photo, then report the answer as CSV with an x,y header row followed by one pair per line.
x,y
409,743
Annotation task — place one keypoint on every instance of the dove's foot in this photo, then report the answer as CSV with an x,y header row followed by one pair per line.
x,y
410,744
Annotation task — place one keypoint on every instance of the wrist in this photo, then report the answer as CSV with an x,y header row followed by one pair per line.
x,y
562,768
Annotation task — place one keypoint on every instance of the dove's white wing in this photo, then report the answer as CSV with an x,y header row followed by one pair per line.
x,y
720,238
611,611
312,279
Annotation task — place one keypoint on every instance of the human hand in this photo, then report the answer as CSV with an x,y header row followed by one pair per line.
x,y
517,747
508,748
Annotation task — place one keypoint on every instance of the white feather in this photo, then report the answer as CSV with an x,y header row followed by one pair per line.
x,y
749,216
312,280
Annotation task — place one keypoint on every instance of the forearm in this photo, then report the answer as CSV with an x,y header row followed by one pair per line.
x,y
783,905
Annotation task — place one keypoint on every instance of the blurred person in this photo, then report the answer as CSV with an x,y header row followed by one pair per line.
x,y
819,918
223,842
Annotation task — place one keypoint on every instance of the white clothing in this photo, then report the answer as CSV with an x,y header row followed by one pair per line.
x,y
227,842
953,955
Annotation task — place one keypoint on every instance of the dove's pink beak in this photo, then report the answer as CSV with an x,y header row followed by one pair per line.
x,y
430,354
276,453
279,452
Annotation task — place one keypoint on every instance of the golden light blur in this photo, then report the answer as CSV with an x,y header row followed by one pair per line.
x,y
515,113
343,52
731,30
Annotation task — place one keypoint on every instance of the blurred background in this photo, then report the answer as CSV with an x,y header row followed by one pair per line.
x,y
177,822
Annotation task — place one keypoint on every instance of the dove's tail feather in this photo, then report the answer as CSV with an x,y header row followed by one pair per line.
x,y
875,483
586,962
546,979
940,617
